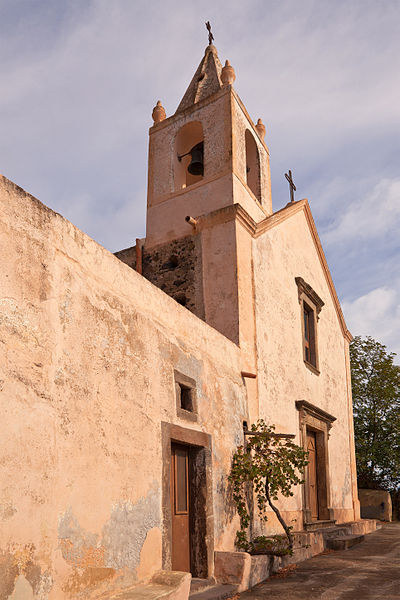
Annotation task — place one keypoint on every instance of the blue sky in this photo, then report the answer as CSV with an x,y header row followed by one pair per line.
x,y
79,79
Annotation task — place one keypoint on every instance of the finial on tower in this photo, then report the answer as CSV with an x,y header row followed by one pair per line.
x,y
158,113
260,129
228,74
210,35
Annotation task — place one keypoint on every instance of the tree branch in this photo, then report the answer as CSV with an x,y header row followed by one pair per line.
x,y
278,514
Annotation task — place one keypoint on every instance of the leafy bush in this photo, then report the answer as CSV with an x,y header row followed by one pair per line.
x,y
271,464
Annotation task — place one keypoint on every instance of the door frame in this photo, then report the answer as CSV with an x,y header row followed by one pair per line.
x,y
312,418
201,521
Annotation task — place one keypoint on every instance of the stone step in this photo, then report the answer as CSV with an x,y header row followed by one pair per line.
x,y
319,525
215,592
198,584
343,542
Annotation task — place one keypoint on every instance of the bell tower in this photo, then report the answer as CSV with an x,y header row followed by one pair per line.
x,y
207,156
208,186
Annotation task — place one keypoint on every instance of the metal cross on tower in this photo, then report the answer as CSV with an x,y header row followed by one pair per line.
x,y
210,35
291,184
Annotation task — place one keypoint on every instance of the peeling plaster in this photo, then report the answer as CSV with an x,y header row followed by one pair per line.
x,y
22,590
126,531
7,510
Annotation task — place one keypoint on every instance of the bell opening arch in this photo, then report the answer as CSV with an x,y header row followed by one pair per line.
x,y
189,155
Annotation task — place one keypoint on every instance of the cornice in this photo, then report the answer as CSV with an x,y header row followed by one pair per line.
x,y
305,288
315,411
224,215
278,217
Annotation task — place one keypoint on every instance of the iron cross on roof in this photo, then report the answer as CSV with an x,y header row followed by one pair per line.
x,y
210,35
291,184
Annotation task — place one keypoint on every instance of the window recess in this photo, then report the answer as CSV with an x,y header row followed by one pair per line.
x,y
186,398
310,305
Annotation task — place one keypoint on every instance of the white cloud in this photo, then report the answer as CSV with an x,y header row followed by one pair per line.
x,y
377,314
369,217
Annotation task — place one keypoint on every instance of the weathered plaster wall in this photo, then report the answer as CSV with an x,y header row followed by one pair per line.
x,y
88,350
219,256
281,254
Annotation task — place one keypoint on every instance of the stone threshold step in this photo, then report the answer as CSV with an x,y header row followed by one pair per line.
x,y
215,592
319,525
343,542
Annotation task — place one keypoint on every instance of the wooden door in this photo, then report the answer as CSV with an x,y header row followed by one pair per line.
x,y
312,474
180,507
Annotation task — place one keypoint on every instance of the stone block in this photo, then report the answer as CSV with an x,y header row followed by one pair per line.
x,y
261,568
233,568
343,542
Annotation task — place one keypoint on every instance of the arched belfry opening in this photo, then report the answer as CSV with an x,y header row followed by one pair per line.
x,y
252,165
189,155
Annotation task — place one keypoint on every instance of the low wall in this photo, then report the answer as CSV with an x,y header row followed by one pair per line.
x,y
375,504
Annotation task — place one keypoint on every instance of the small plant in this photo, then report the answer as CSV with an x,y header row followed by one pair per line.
x,y
276,545
272,464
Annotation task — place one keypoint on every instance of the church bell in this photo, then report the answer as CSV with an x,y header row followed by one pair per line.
x,y
196,165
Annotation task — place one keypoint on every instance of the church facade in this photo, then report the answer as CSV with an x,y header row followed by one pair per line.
x,y
127,380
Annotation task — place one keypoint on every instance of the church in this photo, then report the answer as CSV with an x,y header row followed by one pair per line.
x,y
127,381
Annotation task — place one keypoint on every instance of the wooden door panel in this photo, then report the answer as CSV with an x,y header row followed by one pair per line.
x,y
180,507
312,474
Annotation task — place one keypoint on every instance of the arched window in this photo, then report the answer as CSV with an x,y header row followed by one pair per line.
x,y
189,155
252,165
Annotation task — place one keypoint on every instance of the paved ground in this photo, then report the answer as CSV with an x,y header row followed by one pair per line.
x,y
367,571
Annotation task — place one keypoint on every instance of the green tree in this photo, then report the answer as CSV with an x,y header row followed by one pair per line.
x,y
270,464
376,401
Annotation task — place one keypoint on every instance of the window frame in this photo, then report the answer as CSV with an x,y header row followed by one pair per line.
x,y
183,382
310,305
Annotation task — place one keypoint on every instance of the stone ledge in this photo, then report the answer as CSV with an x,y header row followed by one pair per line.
x,y
344,542
164,585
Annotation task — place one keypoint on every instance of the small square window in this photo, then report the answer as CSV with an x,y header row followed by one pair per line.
x,y
186,400
185,397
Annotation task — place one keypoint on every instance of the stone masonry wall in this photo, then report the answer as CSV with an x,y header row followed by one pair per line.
x,y
175,268
128,256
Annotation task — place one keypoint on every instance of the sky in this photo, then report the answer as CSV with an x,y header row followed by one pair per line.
x,y
79,80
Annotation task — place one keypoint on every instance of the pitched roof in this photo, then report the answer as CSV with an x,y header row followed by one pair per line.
x,y
288,211
206,80
236,211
